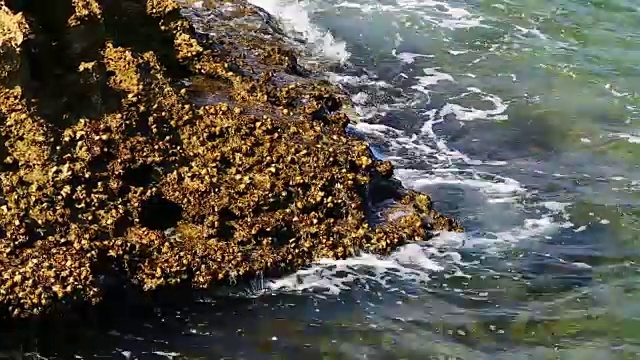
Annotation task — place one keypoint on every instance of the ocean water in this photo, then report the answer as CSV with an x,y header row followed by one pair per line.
x,y
522,119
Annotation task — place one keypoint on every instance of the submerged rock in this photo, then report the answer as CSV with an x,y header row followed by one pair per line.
x,y
114,173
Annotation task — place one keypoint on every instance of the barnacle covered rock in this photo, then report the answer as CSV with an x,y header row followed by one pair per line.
x,y
115,171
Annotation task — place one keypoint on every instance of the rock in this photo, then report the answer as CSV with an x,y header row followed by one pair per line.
x,y
13,32
114,176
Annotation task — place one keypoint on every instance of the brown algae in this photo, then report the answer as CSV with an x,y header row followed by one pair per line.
x,y
109,170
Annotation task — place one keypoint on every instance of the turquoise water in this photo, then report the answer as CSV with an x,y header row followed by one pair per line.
x,y
520,118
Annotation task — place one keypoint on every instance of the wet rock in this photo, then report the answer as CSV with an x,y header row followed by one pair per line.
x,y
112,176
13,32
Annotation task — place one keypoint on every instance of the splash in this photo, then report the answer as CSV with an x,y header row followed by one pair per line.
x,y
438,13
296,20
423,159
411,264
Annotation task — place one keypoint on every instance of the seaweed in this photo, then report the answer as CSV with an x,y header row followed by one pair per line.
x,y
113,177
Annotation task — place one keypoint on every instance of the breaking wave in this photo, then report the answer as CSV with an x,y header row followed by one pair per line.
x,y
423,159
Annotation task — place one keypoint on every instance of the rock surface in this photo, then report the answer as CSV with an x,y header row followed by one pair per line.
x,y
115,173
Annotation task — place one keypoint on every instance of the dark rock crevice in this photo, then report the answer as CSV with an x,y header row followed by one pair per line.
x,y
113,178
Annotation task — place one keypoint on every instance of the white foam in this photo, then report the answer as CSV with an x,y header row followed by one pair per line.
x,y
295,19
360,98
437,13
415,264
168,355
410,266
631,138
442,14
362,80
556,205
530,229
463,113
366,8
432,77
412,263
457,52
378,129
334,277
535,32
493,186
614,92
408,57
364,108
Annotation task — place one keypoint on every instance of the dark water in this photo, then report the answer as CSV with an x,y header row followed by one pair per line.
x,y
520,119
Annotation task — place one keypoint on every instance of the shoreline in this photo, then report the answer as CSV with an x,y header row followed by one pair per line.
x,y
130,183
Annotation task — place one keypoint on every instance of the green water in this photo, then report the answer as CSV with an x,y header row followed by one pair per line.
x,y
567,72
521,119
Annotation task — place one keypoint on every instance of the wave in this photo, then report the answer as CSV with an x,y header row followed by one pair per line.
x,y
423,159
296,20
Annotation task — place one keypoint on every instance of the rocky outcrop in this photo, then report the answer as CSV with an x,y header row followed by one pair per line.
x,y
115,172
